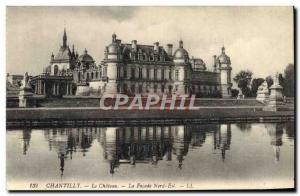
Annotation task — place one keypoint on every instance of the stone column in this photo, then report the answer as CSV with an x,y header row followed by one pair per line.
x,y
58,86
53,88
70,89
67,93
40,87
44,88
36,88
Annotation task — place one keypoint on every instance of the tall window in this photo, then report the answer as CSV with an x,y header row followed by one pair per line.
x,y
170,89
176,74
105,71
170,74
163,88
125,88
140,73
55,71
87,76
79,74
133,88
162,74
125,72
148,73
155,74
132,73
140,88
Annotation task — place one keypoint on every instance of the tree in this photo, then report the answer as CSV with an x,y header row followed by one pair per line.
x,y
243,79
269,80
289,77
234,92
256,82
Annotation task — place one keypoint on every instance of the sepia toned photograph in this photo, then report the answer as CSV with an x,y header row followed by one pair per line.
x,y
150,98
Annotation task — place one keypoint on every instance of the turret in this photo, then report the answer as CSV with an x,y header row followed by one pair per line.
x,y
112,58
114,37
133,45
223,66
214,63
182,68
65,39
156,46
52,56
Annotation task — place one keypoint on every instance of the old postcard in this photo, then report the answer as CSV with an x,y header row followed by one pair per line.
x,y
149,98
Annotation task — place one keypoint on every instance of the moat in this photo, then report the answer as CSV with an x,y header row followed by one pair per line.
x,y
203,156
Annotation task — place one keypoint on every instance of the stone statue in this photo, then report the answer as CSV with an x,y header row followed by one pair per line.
x,y
263,92
25,95
26,82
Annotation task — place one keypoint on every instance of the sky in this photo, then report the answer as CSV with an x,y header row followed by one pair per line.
x,y
259,39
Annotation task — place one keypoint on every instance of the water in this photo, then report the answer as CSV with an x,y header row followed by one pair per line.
x,y
215,156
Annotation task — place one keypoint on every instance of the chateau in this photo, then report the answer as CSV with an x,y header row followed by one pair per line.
x,y
133,69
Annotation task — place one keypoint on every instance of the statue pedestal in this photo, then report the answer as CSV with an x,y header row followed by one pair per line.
x,y
111,88
276,99
226,94
26,98
83,89
262,96
240,95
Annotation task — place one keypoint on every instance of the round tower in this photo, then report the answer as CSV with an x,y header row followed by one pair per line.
x,y
224,68
181,61
111,61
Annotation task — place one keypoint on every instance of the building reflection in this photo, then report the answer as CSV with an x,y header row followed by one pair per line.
x,y
222,139
151,144
290,130
275,132
67,141
145,144
26,136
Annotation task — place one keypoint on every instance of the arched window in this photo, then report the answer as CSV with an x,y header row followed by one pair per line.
x,y
55,70
92,75
87,76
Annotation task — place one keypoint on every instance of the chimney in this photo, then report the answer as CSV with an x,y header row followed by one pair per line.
x,y
156,44
170,48
215,62
133,45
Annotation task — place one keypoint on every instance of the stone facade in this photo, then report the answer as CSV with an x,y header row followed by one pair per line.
x,y
145,69
133,69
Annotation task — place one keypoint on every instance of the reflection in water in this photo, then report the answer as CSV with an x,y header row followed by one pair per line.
x,y
275,132
222,139
148,144
26,140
